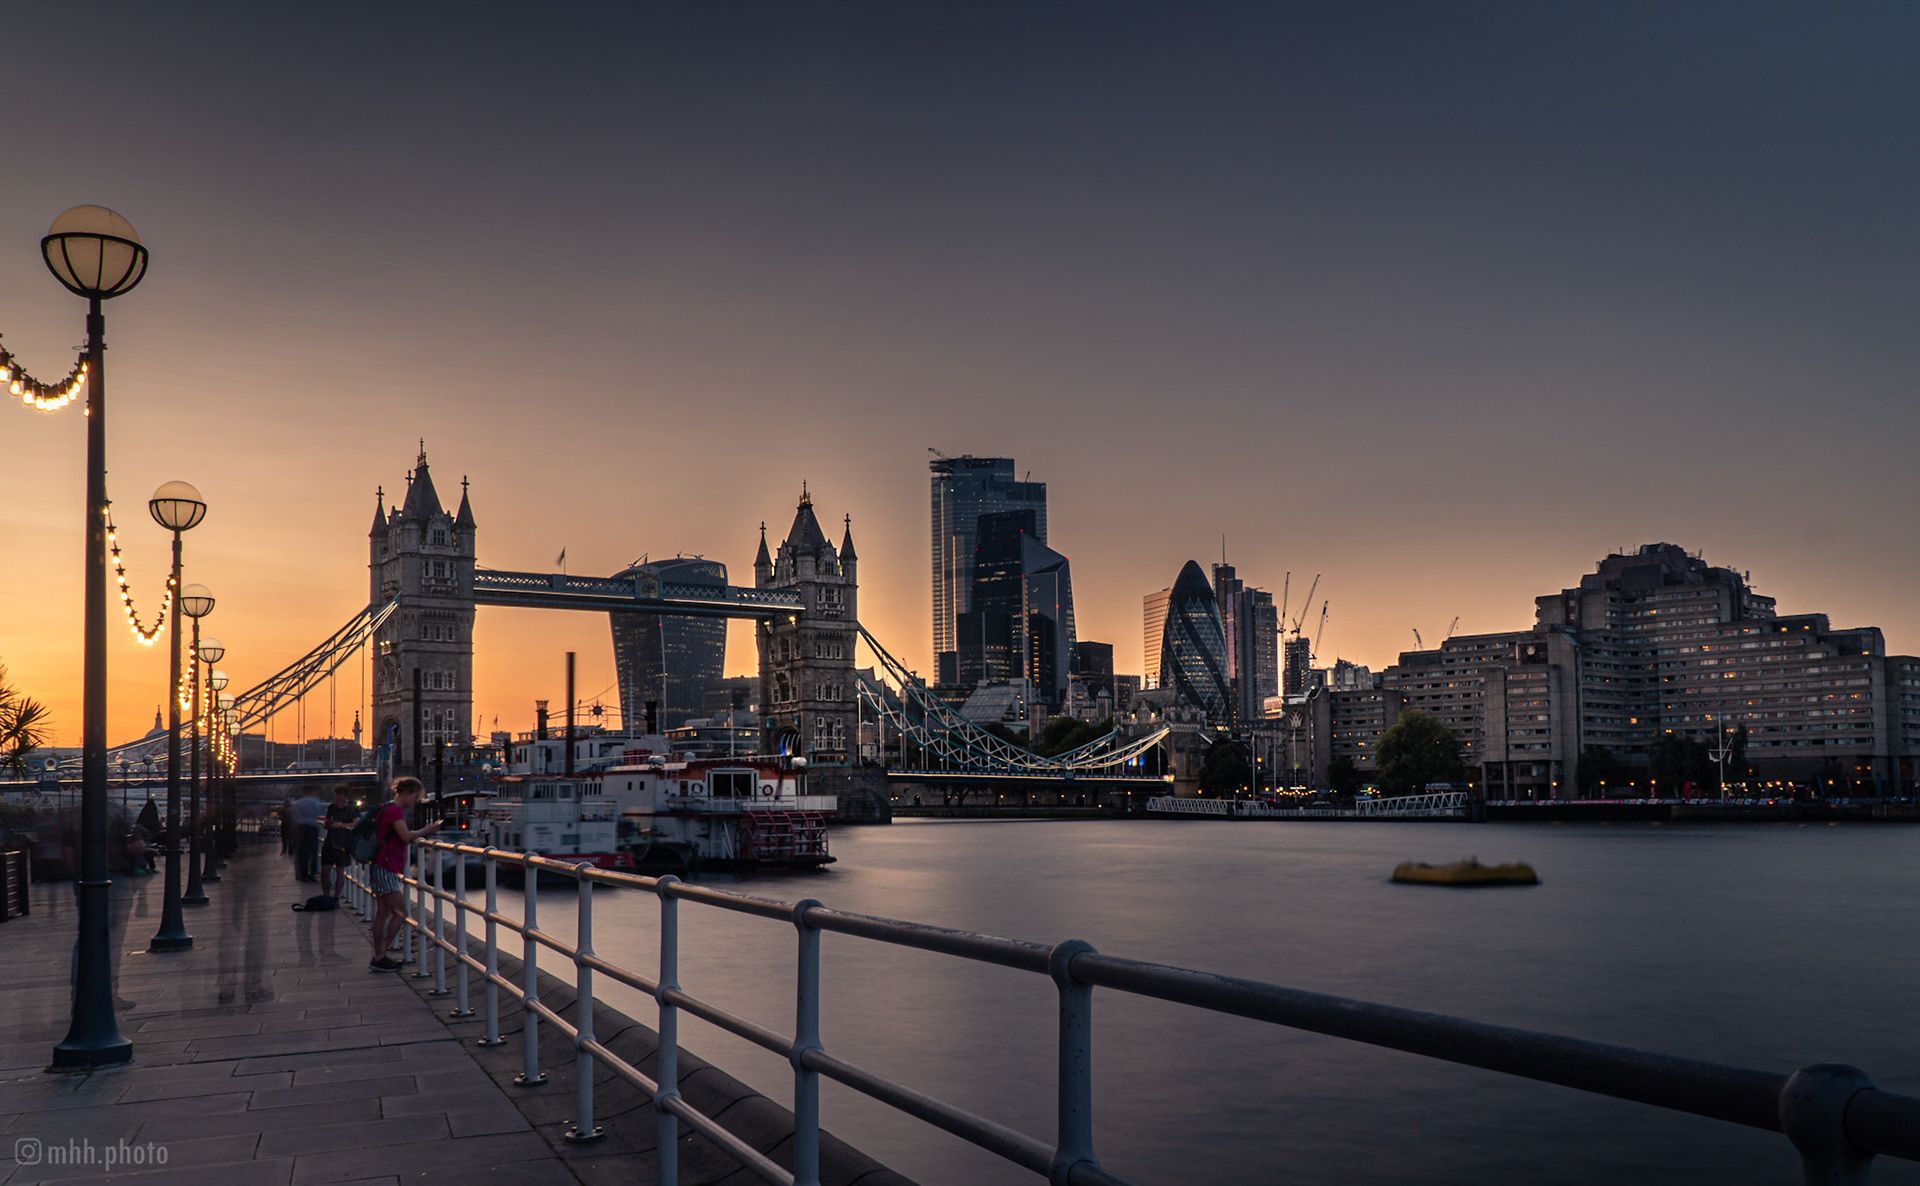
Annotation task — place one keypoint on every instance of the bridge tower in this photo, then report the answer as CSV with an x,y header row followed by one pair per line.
x,y
807,698
423,654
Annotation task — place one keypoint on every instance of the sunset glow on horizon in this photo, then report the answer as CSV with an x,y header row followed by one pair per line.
x,y
642,285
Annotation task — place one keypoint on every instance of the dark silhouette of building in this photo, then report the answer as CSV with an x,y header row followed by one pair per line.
x,y
668,661
965,489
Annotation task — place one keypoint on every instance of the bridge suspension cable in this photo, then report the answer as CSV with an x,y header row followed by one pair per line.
x,y
261,703
950,741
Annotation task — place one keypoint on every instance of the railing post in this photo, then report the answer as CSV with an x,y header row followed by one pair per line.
x,y
531,1076
806,1037
461,1007
417,916
492,1036
667,1066
584,1129
1813,1114
1074,1142
366,897
439,924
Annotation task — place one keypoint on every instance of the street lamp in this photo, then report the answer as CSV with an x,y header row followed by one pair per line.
x,y
196,601
211,652
179,508
98,255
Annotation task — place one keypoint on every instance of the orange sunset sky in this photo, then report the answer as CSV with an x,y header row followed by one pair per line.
x,y
644,284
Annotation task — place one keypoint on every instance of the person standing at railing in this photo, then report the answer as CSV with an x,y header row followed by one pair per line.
x,y
308,811
392,834
336,849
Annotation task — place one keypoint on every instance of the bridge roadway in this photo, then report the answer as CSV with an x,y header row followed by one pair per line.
x,y
268,1054
638,593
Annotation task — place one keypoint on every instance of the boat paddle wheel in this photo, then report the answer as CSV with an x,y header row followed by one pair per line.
x,y
794,839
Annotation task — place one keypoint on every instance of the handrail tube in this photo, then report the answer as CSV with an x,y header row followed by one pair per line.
x,y
550,942
619,1066
518,992
733,1023
988,949
1885,1122
632,980
1734,1094
738,903
553,1016
1013,1145
756,1162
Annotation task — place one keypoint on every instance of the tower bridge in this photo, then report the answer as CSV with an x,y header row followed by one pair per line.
x,y
425,586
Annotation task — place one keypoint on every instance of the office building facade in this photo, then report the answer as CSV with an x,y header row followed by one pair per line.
x,y
964,490
1657,644
1193,648
669,662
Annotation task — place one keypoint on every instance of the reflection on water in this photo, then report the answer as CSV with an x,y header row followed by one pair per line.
x,y
1768,946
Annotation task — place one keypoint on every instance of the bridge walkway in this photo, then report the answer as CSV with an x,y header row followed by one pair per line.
x,y
270,1056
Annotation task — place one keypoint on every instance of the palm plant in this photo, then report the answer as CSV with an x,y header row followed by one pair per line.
x,y
23,727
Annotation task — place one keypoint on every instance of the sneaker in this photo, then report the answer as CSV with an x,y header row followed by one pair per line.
x,y
383,965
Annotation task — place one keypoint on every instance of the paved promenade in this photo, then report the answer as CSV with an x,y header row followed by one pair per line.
x,y
270,1055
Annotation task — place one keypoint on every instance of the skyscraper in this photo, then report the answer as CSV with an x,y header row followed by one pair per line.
x,y
667,660
1153,614
1251,626
1021,623
1193,650
963,490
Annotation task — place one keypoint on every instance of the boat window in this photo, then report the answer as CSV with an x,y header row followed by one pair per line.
x,y
732,784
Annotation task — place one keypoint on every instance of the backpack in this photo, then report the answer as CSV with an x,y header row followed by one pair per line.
x,y
365,843
318,903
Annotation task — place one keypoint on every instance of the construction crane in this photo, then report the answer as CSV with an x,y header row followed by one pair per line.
x,y
1320,631
1419,644
1306,605
1453,625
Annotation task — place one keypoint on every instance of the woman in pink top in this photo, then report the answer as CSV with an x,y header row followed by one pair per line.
x,y
391,833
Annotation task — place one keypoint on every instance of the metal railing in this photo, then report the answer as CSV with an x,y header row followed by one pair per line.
x,y
1836,1119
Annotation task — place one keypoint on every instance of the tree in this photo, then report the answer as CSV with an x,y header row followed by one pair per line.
x,y
1599,771
1416,753
1678,761
23,727
1061,734
1225,769
1343,777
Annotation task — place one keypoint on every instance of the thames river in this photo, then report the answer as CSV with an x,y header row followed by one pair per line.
x,y
1767,946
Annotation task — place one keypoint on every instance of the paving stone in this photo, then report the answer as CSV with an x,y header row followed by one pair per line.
x,y
324,1093
365,1135
428,1157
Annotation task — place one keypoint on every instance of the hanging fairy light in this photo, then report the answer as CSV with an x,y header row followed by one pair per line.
x,y
46,397
144,635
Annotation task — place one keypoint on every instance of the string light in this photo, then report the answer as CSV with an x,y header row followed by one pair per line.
x,y
46,397
145,636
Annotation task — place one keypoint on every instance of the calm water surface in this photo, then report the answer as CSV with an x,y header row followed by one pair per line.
x,y
1766,945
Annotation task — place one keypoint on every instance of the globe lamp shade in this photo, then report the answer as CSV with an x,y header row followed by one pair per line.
x,y
218,680
94,252
177,506
196,601
212,650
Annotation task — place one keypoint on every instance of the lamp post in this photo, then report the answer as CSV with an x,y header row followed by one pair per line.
x,y
211,652
98,255
196,601
179,508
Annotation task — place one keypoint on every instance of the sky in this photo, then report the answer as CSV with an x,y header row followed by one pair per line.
x,y
1443,302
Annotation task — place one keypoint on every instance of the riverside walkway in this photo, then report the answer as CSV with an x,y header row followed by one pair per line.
x,y
269,1055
